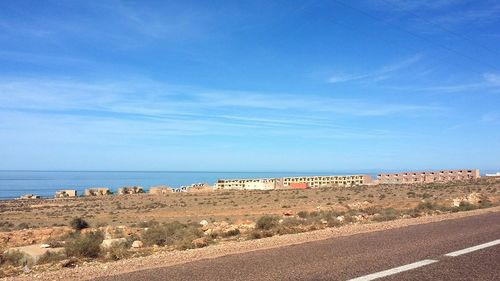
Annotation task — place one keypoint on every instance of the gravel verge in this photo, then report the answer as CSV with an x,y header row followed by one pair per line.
x,y
92,270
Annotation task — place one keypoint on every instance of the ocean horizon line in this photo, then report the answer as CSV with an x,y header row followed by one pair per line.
x,y
186,171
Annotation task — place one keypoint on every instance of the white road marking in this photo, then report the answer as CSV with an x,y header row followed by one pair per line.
x,y
394,270
472,249
421,263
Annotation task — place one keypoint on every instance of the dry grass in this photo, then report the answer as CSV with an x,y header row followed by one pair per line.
x,y
227,205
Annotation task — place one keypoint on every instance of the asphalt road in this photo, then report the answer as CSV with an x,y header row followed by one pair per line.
x,y
359,256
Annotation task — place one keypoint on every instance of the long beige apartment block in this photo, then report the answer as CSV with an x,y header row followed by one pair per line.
x,y
427,176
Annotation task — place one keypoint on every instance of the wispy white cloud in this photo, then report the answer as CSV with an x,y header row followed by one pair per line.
x,y
488,82
44,59
117,23
409,5
491,117
157,109
492,78
382,73
479,15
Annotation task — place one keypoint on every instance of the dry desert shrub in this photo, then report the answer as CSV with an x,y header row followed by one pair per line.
x,y
13,258
175,234
117,251
78,223
86,245
51,257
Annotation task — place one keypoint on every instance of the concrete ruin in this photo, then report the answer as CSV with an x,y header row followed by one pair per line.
x,y
29,196
130,190
328,181
180,189
293,182
428,176
248,184
66,193
33,253
162,189
98,191
200,187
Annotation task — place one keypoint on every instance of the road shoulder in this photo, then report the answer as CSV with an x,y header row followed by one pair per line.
x,y
164,259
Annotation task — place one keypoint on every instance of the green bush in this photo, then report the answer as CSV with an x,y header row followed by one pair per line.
x,y
155,236
144,224
267,222
173,234
6,226
14,258
334,222
255,234
464,206
232,232
387,214
51,257
78,224
303,214
117,251
372,210
85,246
290,225
485,203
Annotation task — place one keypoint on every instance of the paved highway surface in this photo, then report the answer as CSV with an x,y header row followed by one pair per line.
x,y
416,252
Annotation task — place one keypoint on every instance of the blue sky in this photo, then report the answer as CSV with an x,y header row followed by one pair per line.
x,y
249,85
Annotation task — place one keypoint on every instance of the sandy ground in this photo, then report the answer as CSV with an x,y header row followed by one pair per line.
x,y
161,258
228,205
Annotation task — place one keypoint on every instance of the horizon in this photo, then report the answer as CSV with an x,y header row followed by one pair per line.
x,y
253,86
252,171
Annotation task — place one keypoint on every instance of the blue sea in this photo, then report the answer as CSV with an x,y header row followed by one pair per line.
x,y
44,183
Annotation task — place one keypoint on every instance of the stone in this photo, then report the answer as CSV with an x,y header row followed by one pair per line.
x,y
34,252
472,198
108,243
246,224
359,205
200,242
204,223
68,262
137,244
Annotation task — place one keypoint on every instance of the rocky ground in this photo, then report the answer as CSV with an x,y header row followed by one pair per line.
x,y
226,205
220,221
159,258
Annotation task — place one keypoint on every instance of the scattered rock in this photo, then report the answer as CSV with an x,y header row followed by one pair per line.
x,y
473,198
68,262
137,244
34,252
359,205
204,223
108,243
245,225
200,242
